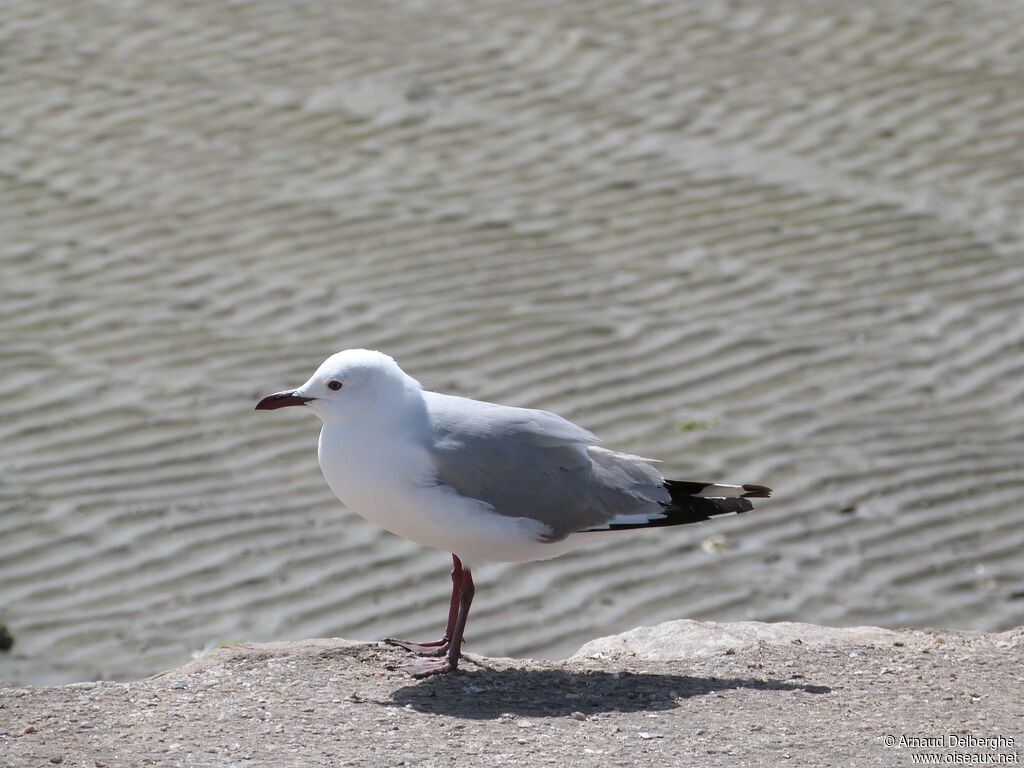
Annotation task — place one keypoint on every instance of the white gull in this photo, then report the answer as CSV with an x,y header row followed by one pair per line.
x,y
485,482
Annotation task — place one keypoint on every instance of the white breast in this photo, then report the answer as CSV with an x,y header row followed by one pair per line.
x,y
393,484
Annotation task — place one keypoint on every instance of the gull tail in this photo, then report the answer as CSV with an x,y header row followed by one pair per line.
x,y
692,503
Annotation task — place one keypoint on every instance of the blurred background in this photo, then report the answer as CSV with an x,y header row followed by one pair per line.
x,y
775,243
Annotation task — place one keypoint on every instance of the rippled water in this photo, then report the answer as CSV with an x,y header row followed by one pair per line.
x,y
761,243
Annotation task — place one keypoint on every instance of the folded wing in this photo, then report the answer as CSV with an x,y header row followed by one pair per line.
x,y
535,464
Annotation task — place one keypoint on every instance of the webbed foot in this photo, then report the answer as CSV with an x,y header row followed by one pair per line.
x,y
435,648
421,667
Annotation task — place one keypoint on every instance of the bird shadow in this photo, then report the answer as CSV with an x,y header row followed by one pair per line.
x,y
483,694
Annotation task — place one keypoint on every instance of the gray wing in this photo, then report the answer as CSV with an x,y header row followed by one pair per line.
x,y
535,464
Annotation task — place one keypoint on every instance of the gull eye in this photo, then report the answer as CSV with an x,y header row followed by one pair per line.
x,y
334,385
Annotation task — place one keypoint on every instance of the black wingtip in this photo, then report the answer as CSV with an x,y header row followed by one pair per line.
x,y
687,505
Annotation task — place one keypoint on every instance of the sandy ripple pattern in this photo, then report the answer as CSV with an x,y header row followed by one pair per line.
x,y
766,242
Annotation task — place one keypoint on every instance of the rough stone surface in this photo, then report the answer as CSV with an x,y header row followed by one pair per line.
x,y
687,639
832,698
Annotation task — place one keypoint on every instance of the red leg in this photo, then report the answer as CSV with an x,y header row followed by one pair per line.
x,y
438,647
424,667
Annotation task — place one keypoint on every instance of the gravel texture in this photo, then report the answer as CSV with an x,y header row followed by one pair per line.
x,y
799,695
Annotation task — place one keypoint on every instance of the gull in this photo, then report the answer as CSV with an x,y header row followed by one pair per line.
x,y
484,482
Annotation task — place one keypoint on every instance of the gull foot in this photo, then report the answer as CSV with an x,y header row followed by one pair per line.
x,y
435,648
421,667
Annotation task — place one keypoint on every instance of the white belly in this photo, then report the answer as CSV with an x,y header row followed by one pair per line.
x,y
397,489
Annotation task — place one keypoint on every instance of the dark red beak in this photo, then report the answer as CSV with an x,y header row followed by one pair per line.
x,y
281,400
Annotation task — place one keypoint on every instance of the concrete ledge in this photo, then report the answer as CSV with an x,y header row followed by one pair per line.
x,y
736,694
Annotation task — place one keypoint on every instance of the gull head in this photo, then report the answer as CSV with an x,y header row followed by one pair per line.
x,y
348,386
